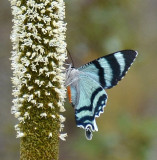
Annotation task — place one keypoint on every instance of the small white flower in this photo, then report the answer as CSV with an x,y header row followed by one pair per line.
x,y
14,109
30,97
30,88
25,96
17,114
44,31
62,118
29,107
28,76
33,101
53,116
62,109
26,115
43,11
50,134
61,127
47,93
17,127
62,136
49,84
28,54
37,93
21,119
43,115
20,134
50,105
40,105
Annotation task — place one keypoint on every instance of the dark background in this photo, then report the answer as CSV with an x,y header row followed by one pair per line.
x,y
128,126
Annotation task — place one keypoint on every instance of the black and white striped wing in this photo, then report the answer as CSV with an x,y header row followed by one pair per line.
x,y
110,69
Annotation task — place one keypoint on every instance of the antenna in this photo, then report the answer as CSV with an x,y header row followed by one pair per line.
x,y
70,58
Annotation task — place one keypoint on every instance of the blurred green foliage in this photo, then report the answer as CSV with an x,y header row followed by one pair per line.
x,y
128,126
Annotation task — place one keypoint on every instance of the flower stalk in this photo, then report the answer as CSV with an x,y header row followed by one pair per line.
x,y
39,52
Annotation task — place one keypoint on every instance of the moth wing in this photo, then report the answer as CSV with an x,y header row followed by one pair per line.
x,y
89,100
110,69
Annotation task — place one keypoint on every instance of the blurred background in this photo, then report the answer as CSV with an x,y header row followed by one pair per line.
x,y
128,126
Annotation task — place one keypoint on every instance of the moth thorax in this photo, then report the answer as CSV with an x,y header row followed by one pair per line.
x,y
72,76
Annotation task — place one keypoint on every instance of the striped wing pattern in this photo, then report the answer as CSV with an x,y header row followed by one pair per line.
x,y
110,69
87,92
89,103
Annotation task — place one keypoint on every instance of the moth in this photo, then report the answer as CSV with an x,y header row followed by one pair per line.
x,y
86,86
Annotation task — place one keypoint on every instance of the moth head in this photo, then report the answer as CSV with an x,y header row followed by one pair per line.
x,y
88,133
